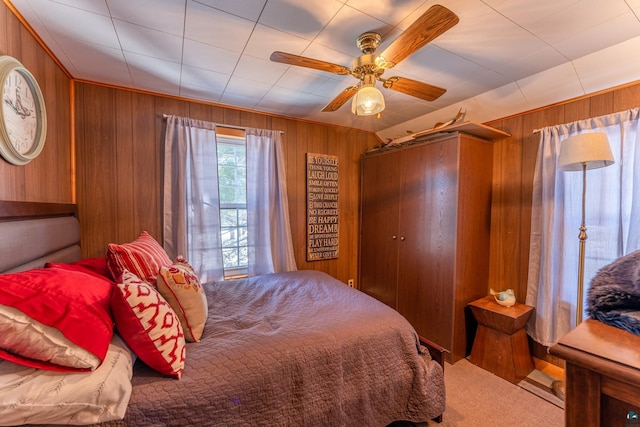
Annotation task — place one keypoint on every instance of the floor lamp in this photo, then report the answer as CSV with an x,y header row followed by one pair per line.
x,y
579,153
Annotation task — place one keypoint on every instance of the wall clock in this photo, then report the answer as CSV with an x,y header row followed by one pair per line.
x,y
23,118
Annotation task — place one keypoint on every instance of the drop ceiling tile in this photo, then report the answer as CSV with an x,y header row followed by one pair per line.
x,y
209,57
199,78
144,41
318,51
248,9
500,102
303,19
302,80
595,38
259,70
246,87
348,24
331,87
284,100
619,66
576,18
241,101
439,67
487,39
90,6
88,27
634,5
532,63
98,63
217,28
526,12
386,11
265,40
161,15
154,74
550,86
201,94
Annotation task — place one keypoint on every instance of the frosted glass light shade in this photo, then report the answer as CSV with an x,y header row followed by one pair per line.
x,y
367,101
590,148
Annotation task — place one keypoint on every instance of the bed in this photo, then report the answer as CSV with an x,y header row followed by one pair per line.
x,y
297,348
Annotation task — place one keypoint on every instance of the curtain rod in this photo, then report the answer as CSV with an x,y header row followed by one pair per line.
x,y
164,116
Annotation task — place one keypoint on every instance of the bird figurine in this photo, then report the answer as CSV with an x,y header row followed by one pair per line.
x,y
505,298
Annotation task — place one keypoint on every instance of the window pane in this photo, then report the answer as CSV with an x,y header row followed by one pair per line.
x,y
243,257
230,257
228,217
242,236
229,237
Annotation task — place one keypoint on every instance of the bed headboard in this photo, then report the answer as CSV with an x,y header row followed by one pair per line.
x,y
32,233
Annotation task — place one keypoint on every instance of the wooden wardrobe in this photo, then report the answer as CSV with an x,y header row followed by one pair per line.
x,y
424,244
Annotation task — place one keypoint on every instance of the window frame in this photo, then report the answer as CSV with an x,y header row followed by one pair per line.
x,y
236,137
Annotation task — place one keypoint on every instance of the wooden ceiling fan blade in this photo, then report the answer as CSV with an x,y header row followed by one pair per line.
x,y
339,100
302,61
414,88
434,22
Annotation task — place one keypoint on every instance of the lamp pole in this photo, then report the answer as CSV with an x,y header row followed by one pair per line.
x,y
582,237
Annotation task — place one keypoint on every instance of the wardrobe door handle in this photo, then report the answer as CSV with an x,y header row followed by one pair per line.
x,y
402,238
394,237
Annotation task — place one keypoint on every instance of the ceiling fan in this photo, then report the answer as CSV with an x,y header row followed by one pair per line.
x,y
370,66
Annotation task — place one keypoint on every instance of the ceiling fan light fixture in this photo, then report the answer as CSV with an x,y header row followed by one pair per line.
x,y
367,101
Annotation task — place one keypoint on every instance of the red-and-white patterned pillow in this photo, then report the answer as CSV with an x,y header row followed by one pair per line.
x,y
148,325
180,286
143,257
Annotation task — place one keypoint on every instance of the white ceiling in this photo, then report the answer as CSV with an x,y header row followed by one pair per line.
x,y
502,58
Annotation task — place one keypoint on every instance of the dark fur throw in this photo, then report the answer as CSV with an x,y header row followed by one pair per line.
x,y
614,295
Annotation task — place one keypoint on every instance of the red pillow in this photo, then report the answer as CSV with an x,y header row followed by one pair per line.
x,y
143,257
148,324
71,303
94,266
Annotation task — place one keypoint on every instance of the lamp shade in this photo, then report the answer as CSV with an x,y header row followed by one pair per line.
x,y
591,149
367,101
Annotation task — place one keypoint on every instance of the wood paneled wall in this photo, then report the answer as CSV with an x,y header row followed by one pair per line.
x,y
49,177
120,140
513,168
119,164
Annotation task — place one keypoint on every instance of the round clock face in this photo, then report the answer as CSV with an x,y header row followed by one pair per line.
x,y
23,120
20,112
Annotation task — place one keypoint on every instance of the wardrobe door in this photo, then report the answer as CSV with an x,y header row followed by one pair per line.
x,y
379,226
427,238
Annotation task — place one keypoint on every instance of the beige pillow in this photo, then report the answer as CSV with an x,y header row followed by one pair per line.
x,y
180,286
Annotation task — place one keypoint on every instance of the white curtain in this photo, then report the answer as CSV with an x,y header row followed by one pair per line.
x,y
191,201
612,219
268,228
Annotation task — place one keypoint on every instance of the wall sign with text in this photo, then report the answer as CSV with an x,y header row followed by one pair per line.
x,y
322,207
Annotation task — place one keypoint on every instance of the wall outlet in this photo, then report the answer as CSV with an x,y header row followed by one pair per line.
x,y
350,283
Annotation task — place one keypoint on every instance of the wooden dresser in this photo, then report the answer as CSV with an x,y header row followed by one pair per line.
x,y
602,375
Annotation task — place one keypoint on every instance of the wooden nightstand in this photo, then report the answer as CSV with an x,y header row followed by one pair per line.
x,y
501,346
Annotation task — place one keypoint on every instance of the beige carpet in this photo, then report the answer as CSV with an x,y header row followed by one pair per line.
x,y
477,398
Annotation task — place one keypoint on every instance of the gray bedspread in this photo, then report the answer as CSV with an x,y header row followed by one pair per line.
x,y
293,349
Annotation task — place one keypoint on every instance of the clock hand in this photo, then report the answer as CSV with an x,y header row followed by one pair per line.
x,y
24,113
20,109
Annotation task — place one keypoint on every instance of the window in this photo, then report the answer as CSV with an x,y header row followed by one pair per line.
x,y
232,186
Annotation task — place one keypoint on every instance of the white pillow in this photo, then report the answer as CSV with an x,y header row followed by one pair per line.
x,y
30,338
36,396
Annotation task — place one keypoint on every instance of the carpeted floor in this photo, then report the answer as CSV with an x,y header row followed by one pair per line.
x,y
540,384
477,398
